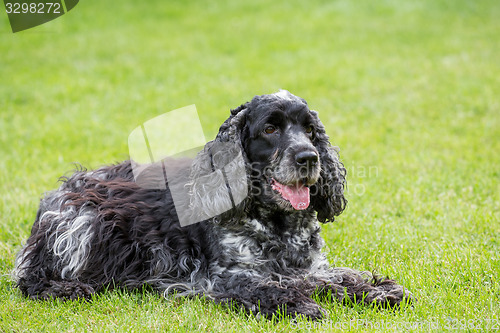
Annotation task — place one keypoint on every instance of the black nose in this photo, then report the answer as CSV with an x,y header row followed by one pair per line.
x,y
306,157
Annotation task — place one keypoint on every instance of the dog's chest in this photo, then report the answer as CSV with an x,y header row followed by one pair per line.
x,y
256,246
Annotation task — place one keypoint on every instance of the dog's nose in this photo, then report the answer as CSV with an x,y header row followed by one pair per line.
x,y
306,157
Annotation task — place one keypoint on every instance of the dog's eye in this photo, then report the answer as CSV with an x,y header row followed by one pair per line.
x,y
270,129
309,129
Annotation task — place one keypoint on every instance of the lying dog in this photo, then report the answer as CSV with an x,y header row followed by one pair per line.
x,y
101,229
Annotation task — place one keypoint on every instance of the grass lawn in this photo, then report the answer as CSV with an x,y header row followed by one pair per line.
x,y
410,91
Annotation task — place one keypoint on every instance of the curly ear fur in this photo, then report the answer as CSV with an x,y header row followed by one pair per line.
x,y
218,173
231,129
327,195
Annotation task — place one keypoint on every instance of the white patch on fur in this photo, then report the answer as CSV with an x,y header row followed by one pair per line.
x,y
52,204
257,225
319,264
98,174
245,248
215,269
52,199
284,94
242,246
71,239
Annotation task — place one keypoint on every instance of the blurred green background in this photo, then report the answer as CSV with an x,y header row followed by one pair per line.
x,y
409,90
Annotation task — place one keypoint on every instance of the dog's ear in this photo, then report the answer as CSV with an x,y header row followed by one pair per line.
x,y
231,130
327,195
218,183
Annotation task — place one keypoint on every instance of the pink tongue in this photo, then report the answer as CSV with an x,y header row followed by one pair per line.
x,y
298,195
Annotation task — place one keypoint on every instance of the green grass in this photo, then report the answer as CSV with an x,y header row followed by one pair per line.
x,y
408,89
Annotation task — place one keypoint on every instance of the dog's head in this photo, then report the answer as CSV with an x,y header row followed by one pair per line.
x,y
290,163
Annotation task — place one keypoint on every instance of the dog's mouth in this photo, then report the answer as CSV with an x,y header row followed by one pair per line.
x,y
297,194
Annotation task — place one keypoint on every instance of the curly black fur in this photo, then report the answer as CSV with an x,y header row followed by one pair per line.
x,y
100,229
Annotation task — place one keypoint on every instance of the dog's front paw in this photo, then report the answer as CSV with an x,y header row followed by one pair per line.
x,y
388,293
398,295
66,290
309,309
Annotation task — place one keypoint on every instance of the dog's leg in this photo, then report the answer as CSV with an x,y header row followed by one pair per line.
x,y
38,276
269,298
37,282
346,283
49,289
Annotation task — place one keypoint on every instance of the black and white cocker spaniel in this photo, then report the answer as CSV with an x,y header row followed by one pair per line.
x,y
101,229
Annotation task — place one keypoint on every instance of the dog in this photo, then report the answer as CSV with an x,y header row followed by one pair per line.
x,y
100,229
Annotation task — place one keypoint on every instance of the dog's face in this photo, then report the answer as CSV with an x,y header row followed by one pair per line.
x,y
291,164
279,141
